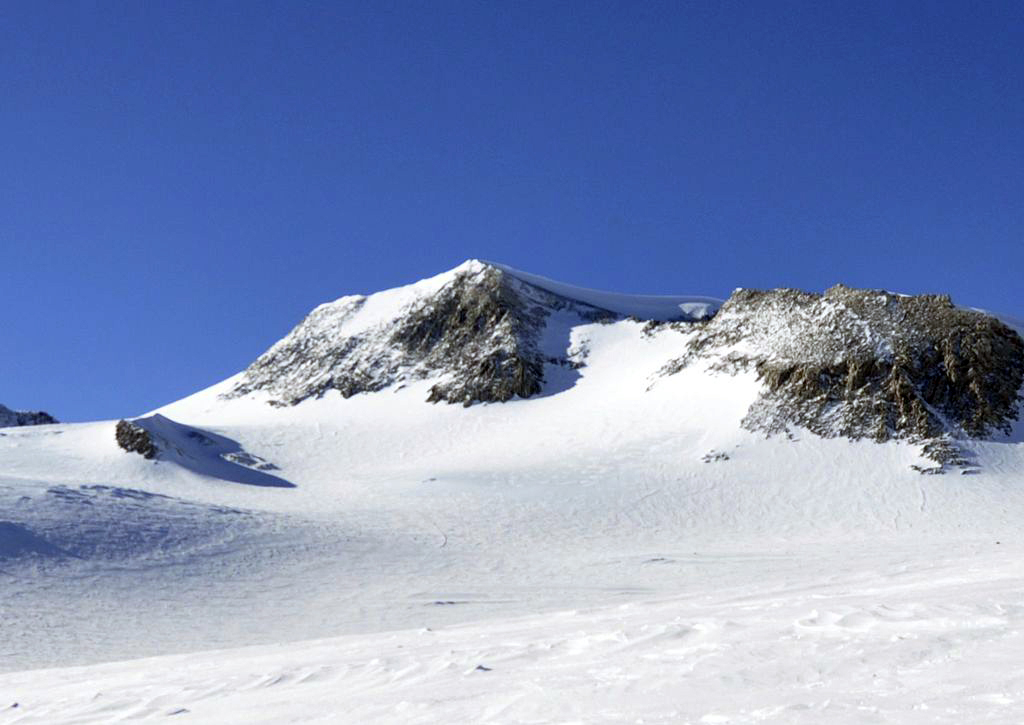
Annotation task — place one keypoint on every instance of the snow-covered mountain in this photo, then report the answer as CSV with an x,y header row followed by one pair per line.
x,y
851,363
673,509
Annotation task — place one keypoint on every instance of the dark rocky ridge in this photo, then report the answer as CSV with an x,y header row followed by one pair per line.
x,y
481,335
9,418
867,364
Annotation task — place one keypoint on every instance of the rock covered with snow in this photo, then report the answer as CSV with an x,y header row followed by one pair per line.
x,y
10,418
867,364
484,332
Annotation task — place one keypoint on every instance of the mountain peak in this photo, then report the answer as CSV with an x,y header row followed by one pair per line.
x,y
484,331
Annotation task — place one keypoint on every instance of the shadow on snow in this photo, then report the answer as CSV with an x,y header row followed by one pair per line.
x,y
208,454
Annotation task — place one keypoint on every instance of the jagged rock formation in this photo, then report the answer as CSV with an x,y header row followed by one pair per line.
x,y
9,418
488,331
867,364
135,439
485,335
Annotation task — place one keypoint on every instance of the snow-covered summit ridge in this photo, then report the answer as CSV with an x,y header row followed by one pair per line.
x,y
483,332
644,307
381,307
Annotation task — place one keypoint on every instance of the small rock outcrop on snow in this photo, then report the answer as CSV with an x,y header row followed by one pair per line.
x,y
11,418
867,364
483,333
135,439
200,451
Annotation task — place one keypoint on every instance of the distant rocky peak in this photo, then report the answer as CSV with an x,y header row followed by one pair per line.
x,y
479,330
867,364
9,418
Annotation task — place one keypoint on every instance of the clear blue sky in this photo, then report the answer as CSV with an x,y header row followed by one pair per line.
x,y
182,181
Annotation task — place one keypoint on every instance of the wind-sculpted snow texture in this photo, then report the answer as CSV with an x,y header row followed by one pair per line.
x,y
10,418
868,364
94,522
485,335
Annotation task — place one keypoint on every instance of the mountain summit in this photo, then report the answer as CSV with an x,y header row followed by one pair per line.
x,y
485,332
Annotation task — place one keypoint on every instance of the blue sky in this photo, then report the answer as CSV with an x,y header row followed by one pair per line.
x,y
183,181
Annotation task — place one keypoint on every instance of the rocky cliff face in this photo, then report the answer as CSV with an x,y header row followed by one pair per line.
x,y
484,335
867,364
10,417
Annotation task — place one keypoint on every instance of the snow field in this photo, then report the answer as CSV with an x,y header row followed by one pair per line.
x,y
920,641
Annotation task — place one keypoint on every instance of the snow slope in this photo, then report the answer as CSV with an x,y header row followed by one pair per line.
x,y
618,549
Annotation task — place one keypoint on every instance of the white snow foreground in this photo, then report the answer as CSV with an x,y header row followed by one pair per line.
x,y
926,643
605,552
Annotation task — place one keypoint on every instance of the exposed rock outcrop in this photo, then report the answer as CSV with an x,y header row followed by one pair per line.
x,y
135,439
484,331
10,418
867,364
